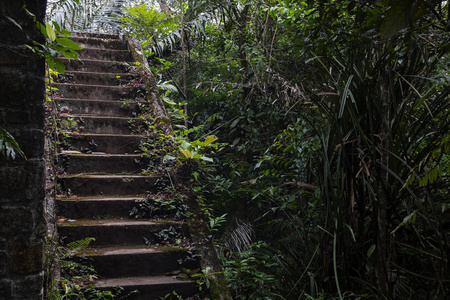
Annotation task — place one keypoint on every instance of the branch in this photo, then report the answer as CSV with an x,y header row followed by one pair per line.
x,y
299,185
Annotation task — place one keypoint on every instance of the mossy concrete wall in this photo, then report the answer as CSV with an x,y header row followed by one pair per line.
x,y
22,90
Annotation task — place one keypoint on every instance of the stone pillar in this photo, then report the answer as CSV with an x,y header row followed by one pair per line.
x,y
22,91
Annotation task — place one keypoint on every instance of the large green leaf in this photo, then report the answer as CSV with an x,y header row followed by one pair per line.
x,y
68,43
401,14
210,139
50,32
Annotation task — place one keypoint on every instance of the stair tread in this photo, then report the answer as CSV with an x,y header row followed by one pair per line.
x,y
103,198
106,175
109,50
101,176
98,116
93,85
98,37
95,60
99,100
94,34
115,222
79,153
129,250
139,281
99,73
101,154
103,134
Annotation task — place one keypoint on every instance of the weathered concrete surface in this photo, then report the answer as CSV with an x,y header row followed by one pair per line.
x,y
96,207
151,287
78,163
96,78
109,143
100,124
103,42
115,232
22,89
95,185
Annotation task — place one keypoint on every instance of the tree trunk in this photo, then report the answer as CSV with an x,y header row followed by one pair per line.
x,y
381,201
183,54
163,6
242,20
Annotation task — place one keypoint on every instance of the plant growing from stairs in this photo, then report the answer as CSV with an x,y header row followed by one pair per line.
x,y
67,278
164,204
158,141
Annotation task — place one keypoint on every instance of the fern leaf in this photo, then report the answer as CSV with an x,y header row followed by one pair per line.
x,y
80,244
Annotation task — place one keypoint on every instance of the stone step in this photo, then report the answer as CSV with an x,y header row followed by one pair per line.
x,y
100,124
100,92
95,78
139,260
104,54
110,232
151,287
102,42
93,65
95,35
95,207
98,185
108,143
75,163
99,107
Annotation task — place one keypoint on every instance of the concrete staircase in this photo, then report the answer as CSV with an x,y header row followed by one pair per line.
x,y
102,176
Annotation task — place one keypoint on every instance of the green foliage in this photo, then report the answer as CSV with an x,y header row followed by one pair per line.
x,y
165,204
159,140
8,145
147,23
333,123
170,235
77,292
155,146
192,151
56,44
215,223
295,89
172,295
251,275
160,31
86,15
401,14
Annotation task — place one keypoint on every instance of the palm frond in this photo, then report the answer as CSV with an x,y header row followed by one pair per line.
x,y
106,19
240,238
166,86
76,246
86,15
194,29
63,11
